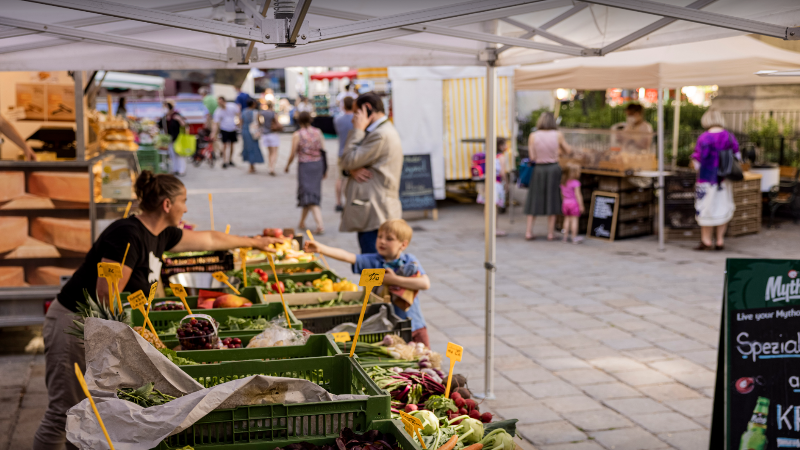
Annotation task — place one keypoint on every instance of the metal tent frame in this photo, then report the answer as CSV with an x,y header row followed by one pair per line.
x,y
289,30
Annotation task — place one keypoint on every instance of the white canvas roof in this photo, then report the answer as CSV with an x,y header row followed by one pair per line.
x,y
71,40
725,62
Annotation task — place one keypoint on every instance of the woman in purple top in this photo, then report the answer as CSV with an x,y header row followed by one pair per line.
x,y
714,195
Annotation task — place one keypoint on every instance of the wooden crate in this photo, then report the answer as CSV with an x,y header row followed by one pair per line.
x,y
634,197
750,226
682,234
747,185
620,184
634,213
746,212
631,229
743,198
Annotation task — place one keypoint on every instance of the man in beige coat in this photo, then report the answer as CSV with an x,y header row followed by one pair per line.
x,y
373,156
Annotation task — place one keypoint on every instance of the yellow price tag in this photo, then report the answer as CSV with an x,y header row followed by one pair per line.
x,y
110,270
413,425
127,210
153,289
222,278
85,388
454,352
344,336
137,300
321,256
179,291
371,277
228,229
280,292
243,256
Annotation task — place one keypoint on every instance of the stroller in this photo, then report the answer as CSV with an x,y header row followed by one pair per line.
x,y
205,148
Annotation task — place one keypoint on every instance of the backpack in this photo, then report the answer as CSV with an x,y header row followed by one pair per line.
x,y
729,168
478,166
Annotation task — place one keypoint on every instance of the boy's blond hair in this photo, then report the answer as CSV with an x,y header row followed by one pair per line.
x,y
399,228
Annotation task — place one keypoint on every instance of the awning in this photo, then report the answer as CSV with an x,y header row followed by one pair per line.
x,y
335,75
120,80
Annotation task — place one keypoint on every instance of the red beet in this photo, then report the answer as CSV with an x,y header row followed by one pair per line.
x,y
471,404
475,414
460,403
455,396
486,417
411,407
462,412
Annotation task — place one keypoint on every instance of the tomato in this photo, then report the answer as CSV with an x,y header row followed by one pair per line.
x,y
279,286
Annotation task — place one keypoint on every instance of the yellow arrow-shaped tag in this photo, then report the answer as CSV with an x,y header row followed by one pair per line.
x,y
454,352
85,388
369,279
222,278
179,291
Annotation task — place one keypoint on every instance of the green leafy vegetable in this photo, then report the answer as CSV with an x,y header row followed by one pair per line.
x,y
145,396
172,355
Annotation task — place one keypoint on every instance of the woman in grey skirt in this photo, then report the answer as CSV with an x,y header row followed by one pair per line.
x,y
307,147
544,193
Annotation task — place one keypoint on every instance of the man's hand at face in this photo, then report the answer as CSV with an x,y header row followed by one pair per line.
x,y
361,118
361,175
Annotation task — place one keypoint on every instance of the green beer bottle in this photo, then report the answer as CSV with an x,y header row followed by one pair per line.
x,y
755,437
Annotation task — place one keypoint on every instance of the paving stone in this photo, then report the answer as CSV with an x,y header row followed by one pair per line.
x,y
692,407
648,354
27,423
586,324
697,380
687,440
15,373
530,414
607,391
631,343
642,377
571,404
596,420
5,432
555,332
665,422
515,362
9,402
600,351
563,363
681,345
546,389
575,341
529,375
34,400
704,421
644,310
523,340
628,439
601,334
632,407
584,376
584,445
669,391
617,364
544,351
551,433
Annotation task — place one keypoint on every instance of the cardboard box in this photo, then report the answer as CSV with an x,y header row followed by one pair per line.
x,y
61,103
31,97
312,298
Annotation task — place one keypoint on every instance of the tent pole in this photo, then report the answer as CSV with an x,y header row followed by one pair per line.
x,y
660,157
676,120
491,216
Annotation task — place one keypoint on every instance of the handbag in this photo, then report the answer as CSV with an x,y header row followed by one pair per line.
x,y
255,127
275,126
525,172
729,167
185,144
324,156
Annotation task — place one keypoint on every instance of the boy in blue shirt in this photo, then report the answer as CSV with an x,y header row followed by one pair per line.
x,y
404,274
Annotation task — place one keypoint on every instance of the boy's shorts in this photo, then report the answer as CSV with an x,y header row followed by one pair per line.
x,y
421,335
228,136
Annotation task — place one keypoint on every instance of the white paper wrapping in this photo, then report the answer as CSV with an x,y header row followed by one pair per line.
x,y
116,356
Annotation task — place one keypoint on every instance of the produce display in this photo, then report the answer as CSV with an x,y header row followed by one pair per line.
x,y
259,277
349,440
145,396
168,305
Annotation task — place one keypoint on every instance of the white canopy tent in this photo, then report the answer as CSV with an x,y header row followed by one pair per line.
x,y
181,34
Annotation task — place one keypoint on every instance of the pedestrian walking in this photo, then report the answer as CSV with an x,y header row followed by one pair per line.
x,y
172,124
373,158
343,125
225,125
714,193
251,152
270,127
571,201
307,146
544,194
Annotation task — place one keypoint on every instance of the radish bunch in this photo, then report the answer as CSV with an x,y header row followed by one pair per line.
x,y
468,407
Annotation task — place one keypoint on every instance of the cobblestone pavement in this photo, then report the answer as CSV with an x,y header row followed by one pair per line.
x,y
598,346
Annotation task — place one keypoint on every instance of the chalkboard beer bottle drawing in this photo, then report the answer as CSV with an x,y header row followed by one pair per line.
x,y
754,438
603,214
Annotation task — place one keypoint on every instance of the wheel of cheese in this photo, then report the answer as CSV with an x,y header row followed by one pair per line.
x,y
69,234
12,276
33,248
49,275
29,201
12,185
66,186
13,232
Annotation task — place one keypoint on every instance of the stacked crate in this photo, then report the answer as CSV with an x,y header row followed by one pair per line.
x,y
635,217
747,198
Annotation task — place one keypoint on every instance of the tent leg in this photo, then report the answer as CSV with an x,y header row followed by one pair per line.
x,y
80,117
676,120
491,216
660,157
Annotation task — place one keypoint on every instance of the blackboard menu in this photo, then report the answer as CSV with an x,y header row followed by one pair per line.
x,y
416,183
603,215
759,378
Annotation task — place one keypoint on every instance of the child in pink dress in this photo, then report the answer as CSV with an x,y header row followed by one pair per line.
x,y
571,201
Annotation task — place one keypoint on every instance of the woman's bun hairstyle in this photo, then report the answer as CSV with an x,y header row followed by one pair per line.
x,y
152,190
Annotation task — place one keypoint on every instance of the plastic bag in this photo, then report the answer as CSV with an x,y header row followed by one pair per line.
x,y
277,335
185,144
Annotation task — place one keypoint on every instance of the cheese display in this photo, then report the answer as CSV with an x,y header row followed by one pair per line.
x,y
12,185
68,234
12,276
29,201
66,186
49,275
13,232
33,248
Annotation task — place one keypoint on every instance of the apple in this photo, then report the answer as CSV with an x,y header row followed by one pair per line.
x,y
231,301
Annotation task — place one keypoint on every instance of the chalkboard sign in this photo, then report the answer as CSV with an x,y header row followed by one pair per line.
x,y
416,183
758,374
603,215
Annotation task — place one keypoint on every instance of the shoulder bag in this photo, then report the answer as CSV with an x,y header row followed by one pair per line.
x,y
255,127
729,167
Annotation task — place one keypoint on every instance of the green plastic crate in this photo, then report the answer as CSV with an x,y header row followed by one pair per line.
x,y
264,265
296,277
150,159
272,425
317,345
162,319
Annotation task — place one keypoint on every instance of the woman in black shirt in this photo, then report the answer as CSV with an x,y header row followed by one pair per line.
x,y
162,199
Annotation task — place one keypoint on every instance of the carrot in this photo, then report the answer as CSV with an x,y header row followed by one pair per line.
x,y
477,446
450,444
